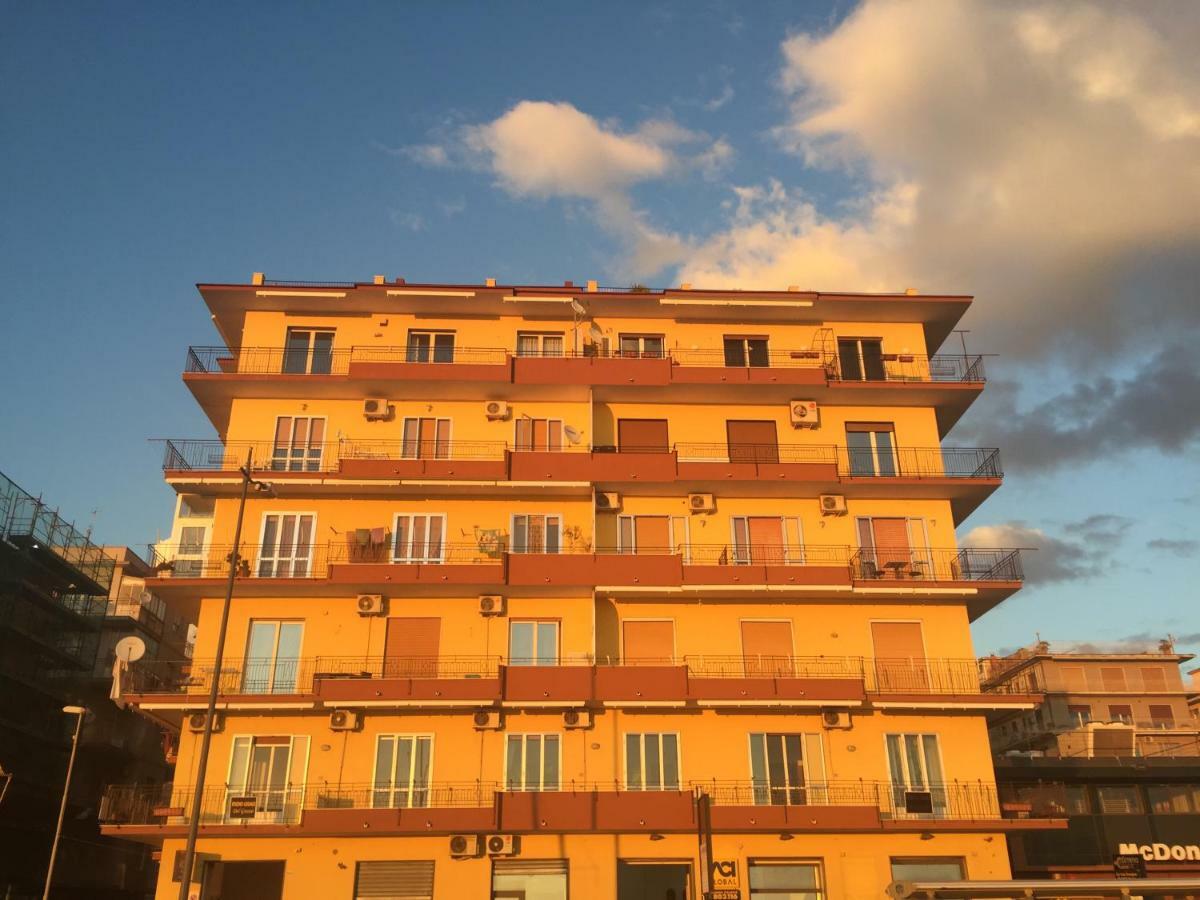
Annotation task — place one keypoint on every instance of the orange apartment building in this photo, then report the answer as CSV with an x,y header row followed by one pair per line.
x,y
557,591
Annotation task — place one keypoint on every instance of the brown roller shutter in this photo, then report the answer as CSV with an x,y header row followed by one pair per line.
x,y
767,648
653,534
649,643
411,647
766,540
642,436
900,656
891,545
752,441
394,880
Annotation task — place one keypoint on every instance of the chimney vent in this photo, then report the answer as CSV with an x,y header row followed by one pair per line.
x,y
379,279
257,278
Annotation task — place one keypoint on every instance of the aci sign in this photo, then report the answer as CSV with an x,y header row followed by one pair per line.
x,y
1161,852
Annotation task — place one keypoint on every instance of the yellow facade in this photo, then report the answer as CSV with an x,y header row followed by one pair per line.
x,y
802,671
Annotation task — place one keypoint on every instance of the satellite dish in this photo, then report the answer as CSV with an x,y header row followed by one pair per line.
x,y
572,433
596,333
130,649
579,308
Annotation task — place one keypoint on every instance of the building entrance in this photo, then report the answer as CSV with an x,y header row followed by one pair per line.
x,y
257,880
653,881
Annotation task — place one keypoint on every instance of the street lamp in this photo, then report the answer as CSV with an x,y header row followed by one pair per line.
x,y
78,712
189,852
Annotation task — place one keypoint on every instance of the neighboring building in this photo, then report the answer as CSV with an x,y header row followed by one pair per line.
x,y
1113,750
552,583
53,584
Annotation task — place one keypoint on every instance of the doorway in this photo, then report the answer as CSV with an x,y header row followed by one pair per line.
x,y
653,881
257,880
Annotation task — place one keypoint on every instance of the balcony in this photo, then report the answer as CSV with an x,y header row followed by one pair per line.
x,y
159,811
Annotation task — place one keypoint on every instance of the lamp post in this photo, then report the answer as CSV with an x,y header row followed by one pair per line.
x,y
189,852
78,712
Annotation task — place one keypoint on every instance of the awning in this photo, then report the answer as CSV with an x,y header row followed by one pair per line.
x,y
1041,889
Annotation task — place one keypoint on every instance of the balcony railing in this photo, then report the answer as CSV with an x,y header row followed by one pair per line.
x,y
902,462
903,367
967,564
171,805
217,456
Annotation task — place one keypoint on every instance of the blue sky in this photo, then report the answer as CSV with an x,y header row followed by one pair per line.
x,y
764,143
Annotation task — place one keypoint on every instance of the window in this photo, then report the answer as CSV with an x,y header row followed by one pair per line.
x,y
419,538
652,762
643,436
286,545
642,345
647,534
648,642
1154,678
308,352
529,879
531,762
533,643
861,359
767,540
928,868
411,879
297,445
539,434
1173,798
1073,678
767,649
430,346
1112,678
272,657
1162,715
189,559
410,647
893,548
1120,712
534,343
271,770
402,763
1118,799
1054,800
752,441
871,450
746,351
1080,713
778,771
425,438
785,880
536,534
193,507
915,769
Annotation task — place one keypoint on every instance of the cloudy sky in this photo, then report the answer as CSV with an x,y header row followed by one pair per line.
x,y
1043,157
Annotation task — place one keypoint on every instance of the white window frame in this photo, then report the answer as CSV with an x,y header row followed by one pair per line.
x,y
313,331
512,530
792,556
533,660
197,558
641,745
894,453
238,784
432,334
275,559
426,557
417,443
391,785
916,530
524,738
561,433
307,462
641,337
540,337
272,662
810,785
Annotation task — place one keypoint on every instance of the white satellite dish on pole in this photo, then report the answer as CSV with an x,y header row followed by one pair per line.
x,y
595,332
130,649
572,433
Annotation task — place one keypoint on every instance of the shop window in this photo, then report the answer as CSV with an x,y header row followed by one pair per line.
x,y
931,868
1118,800
529,879
785,880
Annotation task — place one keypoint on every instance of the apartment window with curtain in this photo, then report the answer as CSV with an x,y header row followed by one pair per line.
x,y
532,762
536,534
402,764
915,770
272,657
308,351
645,346
271,769
286,546
652,762
298,443
425,438
742,352
532,643
189,557
537,343
430,346
419,538
871,450
785,879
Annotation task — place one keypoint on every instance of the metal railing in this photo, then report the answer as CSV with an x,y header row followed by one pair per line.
x,y
908,564
944,800
432,795
771,359
761,554
478,356
218,456
901,462
266,361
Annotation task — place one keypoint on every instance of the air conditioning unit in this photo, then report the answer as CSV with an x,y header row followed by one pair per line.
x,y
577,718
836,718
702,503
376,408
371,605
608,501
804,414
345,720
833,505
464,846
497,409
488,720
501,845
491,605
195,722
918,802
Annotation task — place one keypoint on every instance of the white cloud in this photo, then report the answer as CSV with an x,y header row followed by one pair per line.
x,y
1035,155
720,100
